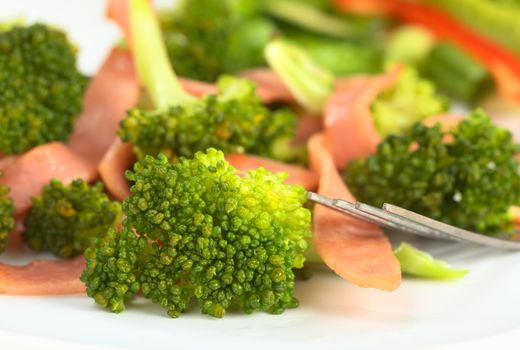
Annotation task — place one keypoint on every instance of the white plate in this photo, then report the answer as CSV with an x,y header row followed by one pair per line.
x,y
481,309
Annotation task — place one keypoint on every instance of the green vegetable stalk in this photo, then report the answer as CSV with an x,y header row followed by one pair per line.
x,y
415,262
456,74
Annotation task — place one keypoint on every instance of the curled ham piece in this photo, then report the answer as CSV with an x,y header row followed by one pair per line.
x,y
356,250
111,93
269,86
43,277
26,175
348,122
297,175
112,169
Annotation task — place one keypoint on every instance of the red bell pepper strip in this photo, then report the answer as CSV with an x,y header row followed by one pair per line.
x,y
502,63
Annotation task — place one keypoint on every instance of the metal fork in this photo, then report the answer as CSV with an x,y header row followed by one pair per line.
x,y
402,220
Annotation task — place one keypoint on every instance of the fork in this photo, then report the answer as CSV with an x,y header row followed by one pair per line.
x,y
402,220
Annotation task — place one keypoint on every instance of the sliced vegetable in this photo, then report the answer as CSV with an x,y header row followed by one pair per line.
x,y
503,64
310,84
456,73
415,262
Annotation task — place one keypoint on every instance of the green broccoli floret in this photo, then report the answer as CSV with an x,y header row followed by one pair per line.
x,y
446,175
207,38
411,100
233,120
206,232
7,222
66,219
41,90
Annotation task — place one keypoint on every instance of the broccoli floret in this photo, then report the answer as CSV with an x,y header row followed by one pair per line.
x,y
7,222
206,233
207,38
411,100
447,175
233,120
65,220
41,90
114,264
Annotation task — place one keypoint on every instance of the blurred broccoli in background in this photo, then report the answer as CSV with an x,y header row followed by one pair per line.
x,y
7,222
204,233
410,100
447,175
41,90
65,220
207,38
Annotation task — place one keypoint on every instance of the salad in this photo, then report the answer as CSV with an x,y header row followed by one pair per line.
x,y
179,172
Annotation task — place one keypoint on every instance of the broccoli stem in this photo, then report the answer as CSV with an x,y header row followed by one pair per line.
x,y
152,62
311,18
310,83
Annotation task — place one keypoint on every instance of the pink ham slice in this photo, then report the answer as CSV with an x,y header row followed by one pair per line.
x,y
357,251
269,86
297,174
308,125
112,168
34,169
43,277
348,123
111,93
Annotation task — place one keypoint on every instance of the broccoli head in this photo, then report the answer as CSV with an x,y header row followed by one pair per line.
x,y
205,232
66,219
233,120
6,215
41,90
411,100
207,38
447,175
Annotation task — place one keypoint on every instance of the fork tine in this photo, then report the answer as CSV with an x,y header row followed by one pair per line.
x,y
403,220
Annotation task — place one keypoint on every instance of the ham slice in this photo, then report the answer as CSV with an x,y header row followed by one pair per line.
x,y
111,93
348,122
269,86
297,175
308,125
112,168
356,250
34,169
43,277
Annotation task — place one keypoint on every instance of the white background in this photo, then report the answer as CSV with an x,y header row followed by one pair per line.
x,y
480,311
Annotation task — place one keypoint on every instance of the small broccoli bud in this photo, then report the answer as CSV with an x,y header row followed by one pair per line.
x,y
112,271
221,239
41,90
235,120
7,222
411,100
66,219
451,181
